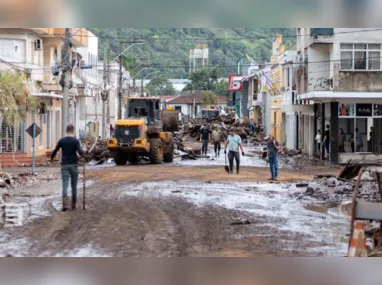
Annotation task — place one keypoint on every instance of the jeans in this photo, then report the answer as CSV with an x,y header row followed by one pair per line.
x,y
234,155
327,148
217,147
69,171
204,147
274,166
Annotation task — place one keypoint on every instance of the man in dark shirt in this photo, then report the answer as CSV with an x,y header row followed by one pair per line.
x,y
326,141
204,137
69,146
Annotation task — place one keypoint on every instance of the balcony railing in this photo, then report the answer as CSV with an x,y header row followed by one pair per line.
x,y
321,32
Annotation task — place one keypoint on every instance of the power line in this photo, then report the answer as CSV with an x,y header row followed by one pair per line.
x,y
207,38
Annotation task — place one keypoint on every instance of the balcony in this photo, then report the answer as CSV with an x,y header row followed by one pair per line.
x,y
322,32
80,36
321,36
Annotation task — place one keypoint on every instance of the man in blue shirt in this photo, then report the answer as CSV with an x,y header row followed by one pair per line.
x,y
234,143
273,147
69,146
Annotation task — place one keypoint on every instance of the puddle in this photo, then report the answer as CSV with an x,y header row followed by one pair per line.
x,y
319,225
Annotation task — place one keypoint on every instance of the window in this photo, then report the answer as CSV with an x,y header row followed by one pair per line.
x,y
360,56
12,50
358,125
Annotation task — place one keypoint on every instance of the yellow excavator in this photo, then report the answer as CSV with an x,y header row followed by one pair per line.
x,y
141,134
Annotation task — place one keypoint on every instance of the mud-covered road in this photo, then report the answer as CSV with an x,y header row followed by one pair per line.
x,y
173,210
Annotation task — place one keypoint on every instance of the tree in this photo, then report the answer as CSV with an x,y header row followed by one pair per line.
x,y
14,98
209,98
221,88
203,79
160,85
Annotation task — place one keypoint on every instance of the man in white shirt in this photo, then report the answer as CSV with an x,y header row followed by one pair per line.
x,y
234,143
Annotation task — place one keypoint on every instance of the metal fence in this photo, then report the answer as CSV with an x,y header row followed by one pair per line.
x,y
12,138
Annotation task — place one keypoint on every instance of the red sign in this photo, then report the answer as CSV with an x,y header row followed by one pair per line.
x,y
234,82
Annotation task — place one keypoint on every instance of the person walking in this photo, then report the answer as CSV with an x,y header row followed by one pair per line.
x,y
70,146
318,141
273,147
341,141
358,141
234,143
216,136
204,137
326,141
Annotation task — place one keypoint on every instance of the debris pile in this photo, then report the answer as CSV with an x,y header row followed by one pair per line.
x,y
331,191
8,180
187,140
96,150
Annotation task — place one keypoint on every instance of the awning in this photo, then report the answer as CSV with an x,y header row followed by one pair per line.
x,y
47,95
351,97
249,76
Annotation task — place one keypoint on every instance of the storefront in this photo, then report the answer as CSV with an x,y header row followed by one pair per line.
x,y
361,128
355,120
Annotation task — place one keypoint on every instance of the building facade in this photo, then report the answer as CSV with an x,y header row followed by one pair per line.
x,y
340,73
192,104
36,53
278,49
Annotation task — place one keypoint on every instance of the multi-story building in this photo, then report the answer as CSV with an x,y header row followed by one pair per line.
x,y
278,48
340,73
288,94
36,52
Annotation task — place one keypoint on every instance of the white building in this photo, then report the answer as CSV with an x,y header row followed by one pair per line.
x,y
340,71
185,103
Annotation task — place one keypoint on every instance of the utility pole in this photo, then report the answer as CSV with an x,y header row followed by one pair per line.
x,y
66,80
104,96
142,87
120,87
108,82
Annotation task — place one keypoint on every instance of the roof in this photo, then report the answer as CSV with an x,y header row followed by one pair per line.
x,y
189,99
143,98
167,98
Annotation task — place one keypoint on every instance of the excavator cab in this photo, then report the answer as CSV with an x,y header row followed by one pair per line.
x,y
141,134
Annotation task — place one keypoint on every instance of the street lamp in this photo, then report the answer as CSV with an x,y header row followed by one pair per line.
x,y
145,78
130,46
145,68
120,77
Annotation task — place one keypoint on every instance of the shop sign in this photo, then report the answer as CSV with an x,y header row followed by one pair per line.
x,y
364,110
234,82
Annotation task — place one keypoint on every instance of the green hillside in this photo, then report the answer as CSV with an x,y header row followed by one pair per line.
x,y
169,48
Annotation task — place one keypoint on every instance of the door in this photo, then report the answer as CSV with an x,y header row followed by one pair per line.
x,y
48,130
58,126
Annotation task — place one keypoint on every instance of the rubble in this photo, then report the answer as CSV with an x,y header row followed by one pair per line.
x,y
187,140
9,180
96,150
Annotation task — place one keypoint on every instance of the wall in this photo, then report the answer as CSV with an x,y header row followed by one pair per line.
x,y
319,67
276,118
53,105
244,101
358,81
31,58
355,81
343,158
90,57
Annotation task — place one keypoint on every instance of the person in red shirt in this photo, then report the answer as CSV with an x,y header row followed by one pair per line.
x,y
343,110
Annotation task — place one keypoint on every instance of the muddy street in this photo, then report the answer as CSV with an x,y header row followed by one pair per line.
x,y
177,210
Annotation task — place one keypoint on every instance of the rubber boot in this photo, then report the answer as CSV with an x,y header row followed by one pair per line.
x,y
74,202
65,203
